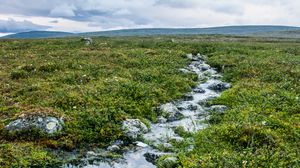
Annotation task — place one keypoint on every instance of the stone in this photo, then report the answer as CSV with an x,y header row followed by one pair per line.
x,y
192,107
188,97
170,112
204,67
87,40
219,86
141,144
113,148
152,157
184,71
216,76
176,139
199,90
161,119
133,128
168,162
218,108
48,125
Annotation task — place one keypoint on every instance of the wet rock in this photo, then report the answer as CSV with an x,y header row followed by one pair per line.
x,y
216,76
119,142
192,107
188,97
189,56
152,157
176,139
161,120
133,128
199,90
218,108
184,71
48,125
113,148
205,67
141,144
168,162
219,86
170,112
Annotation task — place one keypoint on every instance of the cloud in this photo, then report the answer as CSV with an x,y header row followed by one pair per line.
x,y
63,11
12,26
103,14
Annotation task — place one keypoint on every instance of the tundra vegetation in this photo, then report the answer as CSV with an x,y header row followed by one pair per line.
x,y
93,88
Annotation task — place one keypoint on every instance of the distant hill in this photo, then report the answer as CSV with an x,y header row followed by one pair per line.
x,y
279,34
265,31
228,30
38,34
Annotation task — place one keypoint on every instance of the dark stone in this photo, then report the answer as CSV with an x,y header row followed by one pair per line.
x,y
199,90
151,157
219,86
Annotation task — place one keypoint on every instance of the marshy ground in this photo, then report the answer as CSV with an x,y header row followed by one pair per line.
x,y
94,88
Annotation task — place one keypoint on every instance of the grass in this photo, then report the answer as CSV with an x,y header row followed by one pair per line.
x,y
95,87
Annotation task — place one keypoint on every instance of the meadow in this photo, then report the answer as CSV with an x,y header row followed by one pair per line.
x,y
94,88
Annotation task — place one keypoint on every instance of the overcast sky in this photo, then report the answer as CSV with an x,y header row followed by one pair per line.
x,y
98,15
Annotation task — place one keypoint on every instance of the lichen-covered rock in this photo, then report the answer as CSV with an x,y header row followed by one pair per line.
x,y
48,125
218,108
113,148
87,40
133,128
168,162
219,86
170,112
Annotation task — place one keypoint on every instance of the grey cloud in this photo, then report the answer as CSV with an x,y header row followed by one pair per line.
x,y
12,26
108,14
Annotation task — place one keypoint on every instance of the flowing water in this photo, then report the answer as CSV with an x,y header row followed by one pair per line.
x,y
194,117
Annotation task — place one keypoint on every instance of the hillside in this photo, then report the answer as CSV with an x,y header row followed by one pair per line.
x,y
38,34
227,30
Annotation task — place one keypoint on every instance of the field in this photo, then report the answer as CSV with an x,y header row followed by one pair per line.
x,y
93,88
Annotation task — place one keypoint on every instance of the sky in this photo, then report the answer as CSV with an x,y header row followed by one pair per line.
x,y
98,15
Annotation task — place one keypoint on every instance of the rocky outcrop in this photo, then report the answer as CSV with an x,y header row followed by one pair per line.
x,y
48,125
133,128
170,112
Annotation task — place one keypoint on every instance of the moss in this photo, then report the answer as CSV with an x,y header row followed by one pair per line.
x,y
96,87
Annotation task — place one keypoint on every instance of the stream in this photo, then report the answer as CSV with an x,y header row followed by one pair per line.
x,y
192,117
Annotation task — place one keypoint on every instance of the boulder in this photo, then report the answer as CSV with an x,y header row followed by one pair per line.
x,y
170,112
133,128
48,125
219,86
87,40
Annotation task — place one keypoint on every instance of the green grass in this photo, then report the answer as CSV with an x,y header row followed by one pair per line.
x,y
95,87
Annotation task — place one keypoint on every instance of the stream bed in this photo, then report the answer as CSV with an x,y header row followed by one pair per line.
x,y
188,113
